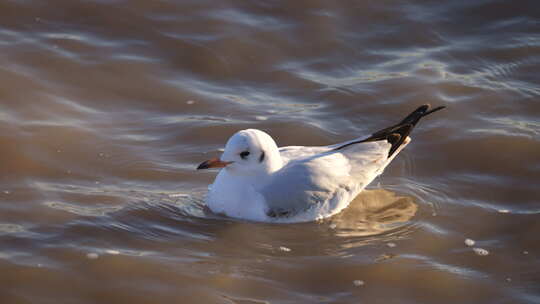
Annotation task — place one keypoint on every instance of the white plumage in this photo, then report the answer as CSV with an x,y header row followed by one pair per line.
x,y
261,182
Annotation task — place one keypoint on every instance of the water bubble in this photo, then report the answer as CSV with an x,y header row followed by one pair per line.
x,y
480,251
469,242
7,192
391,245
525,252
285,249
358,283
190,102
333,226
92,255
178,195
384,257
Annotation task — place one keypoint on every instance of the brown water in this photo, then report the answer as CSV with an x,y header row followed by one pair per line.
x,y
107,107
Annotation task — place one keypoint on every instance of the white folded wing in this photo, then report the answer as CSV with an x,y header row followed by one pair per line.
x,y
317,182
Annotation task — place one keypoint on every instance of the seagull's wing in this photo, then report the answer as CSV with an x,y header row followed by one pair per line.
x,y
294,153
325,181
328,178
396,135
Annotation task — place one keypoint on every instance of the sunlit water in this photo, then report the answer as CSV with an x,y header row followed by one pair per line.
x,y
107,107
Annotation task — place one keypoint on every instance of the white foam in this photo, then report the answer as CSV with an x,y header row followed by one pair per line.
x,y
11,228
480,251
285,249
80,210
178,195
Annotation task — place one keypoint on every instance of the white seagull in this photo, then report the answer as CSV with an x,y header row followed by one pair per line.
x,y
261,182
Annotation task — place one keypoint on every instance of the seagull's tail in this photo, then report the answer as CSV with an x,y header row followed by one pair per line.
x,y
397,133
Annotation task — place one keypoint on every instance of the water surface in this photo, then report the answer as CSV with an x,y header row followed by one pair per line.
x,y
107,107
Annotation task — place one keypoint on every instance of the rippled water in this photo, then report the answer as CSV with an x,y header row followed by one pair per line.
x,y
106,108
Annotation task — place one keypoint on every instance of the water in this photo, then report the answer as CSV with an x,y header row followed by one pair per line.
x,y
107,107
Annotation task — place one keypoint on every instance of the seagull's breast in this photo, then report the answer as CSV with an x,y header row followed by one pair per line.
x,y
235,196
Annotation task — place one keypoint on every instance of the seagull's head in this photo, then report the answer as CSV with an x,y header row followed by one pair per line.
x,y
248,152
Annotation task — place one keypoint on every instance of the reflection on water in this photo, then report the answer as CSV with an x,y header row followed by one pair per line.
x,y
374,212
106,108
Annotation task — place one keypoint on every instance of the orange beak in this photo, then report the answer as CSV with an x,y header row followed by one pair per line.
x,y
213,163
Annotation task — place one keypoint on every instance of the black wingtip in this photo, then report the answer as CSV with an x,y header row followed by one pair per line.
x,y
434,110
398,133
423,108
394,139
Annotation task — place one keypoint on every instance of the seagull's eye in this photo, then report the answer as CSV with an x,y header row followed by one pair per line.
x,y
244,154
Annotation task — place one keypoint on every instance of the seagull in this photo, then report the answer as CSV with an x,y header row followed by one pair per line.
x,y
260,182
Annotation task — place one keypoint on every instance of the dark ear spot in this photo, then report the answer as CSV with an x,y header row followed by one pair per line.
x,y
244,154
261,158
